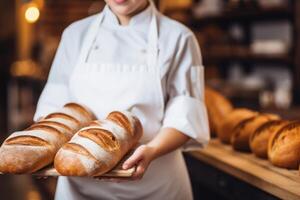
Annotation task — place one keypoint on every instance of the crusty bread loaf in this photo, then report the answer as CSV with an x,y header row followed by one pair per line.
x,y
260,137
231,121
242,132
284,146
32,149
218,107
97,148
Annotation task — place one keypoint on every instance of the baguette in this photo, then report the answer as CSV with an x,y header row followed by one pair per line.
x,y
97,148
242,132
35,147
284,146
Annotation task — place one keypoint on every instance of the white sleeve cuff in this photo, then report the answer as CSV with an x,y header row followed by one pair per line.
x,y
188,115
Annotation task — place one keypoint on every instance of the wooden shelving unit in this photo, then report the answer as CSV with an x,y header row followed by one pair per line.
x,y
245,18
282,183
242,16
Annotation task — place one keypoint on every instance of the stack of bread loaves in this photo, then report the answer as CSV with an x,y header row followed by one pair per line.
x,y
32,149
266,135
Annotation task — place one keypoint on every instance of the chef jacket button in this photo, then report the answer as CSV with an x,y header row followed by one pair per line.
x,y
96,47
144,51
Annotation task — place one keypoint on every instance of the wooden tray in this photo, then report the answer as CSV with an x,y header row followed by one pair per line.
x,y
117,172
282,183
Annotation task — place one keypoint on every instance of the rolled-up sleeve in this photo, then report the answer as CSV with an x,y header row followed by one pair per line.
x,y
55,92
185,108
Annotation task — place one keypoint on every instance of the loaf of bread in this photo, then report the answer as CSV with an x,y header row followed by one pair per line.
x,y
242,132
218,107
284,146
97,148
32,149
260,137
231,121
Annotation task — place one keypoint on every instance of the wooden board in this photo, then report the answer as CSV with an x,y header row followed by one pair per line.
x,y
282,183
117,172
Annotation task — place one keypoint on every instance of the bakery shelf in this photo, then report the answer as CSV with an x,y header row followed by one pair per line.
x,y
281,183
244,15
249,58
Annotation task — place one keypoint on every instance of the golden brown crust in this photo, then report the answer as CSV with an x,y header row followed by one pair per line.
x,y
53,123
77,148
95,123
217,108
33,158
63,116
260,137
29,153
284,146
231,121
81,109
49,130
26,140
242,132
65,164
121,119
138,130
114,139
102,137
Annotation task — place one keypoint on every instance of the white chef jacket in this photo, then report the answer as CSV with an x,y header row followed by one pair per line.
x,y
181,74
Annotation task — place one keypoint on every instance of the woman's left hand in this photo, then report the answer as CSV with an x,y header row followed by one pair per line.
x,y
140,158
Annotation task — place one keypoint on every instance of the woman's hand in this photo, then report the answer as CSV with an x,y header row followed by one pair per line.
x,y
167,140
141,158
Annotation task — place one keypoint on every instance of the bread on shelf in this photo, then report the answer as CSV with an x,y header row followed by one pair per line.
x,y
284,146
218,106
260,137
242,132
231,121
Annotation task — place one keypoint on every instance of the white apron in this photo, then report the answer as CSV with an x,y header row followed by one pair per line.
x,y
105,87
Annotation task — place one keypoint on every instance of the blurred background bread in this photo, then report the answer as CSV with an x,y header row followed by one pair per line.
x,y
231,120
242,132
284,146
260,137
218,106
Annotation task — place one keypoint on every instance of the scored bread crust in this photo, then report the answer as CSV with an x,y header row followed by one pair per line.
x,y
218,106
231,121
97,148
34,148
284,146
242,132
260,137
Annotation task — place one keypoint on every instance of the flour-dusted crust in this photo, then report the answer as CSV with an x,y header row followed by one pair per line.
x,y
32,149
97,148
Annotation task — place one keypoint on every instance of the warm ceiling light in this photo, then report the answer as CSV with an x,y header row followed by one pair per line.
x,y
32,14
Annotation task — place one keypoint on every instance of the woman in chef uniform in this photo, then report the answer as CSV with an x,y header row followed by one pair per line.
x,y
130,57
